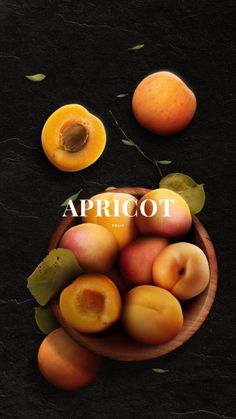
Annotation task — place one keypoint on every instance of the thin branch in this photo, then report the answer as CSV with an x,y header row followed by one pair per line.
x,y
155,162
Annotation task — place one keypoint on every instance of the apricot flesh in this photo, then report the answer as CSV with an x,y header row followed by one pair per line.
x,y
183,269
137,258
91,304
151,315
66,364
123,227
93,245
163,103
73,138
174,225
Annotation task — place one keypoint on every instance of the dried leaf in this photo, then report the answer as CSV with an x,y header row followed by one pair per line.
x,y
128,142
45,319
159,370
55,272
71,198
184,185
110,188
164,162
122,95
136,47
36,77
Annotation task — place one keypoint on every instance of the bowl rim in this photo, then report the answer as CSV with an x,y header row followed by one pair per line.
x,y
146,351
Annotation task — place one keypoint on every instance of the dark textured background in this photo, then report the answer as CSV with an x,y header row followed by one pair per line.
x,y
82,47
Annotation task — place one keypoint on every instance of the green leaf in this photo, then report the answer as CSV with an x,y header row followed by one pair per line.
x,y
36,77
136,47
159,370
72,198
54,273
184,185
164,162
122,95
45,319
128,142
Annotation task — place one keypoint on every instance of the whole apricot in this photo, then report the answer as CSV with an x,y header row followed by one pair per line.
x,y
116,212
183,269
137,258
93,245
164,213
151,314
66,364
163,103
91,304
73,138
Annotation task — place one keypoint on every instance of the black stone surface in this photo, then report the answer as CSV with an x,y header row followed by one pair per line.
x,y
82,47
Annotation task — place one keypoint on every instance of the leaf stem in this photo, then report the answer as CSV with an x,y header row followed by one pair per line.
x,y
155,162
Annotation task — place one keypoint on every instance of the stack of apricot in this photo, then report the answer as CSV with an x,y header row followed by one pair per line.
x,y
134,268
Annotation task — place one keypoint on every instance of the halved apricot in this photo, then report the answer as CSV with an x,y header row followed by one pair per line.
x,y
91,304
73,138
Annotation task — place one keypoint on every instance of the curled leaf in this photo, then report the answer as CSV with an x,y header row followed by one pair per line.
x,y
45,319
164,162
36,77
54,273
122,95
110,188
71,198
136,47
192,192
159,370
129,142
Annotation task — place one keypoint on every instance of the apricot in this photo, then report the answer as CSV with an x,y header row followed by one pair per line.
x,y
163,212
163,103
66,364
91,304
182,268
137,258
151,314
93,245
116,212
73,138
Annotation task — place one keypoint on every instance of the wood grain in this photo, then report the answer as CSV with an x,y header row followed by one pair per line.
x,y
115,343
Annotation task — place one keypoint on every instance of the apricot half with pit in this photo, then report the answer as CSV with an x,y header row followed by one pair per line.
x,y
91,304
73,138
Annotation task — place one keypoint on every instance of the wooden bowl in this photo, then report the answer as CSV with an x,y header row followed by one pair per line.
x,y
115,343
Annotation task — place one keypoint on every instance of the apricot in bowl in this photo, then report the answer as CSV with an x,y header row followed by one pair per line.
x,y
151,314
182,268
91,304
116,343
93,245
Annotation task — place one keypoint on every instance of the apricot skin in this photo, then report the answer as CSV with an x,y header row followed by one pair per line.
x,y
163,103
182,268
176,225
91,304
123,228
137,258
93,245
66,364
151,315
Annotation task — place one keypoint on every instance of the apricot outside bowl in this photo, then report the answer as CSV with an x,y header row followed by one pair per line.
x,y
115,343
